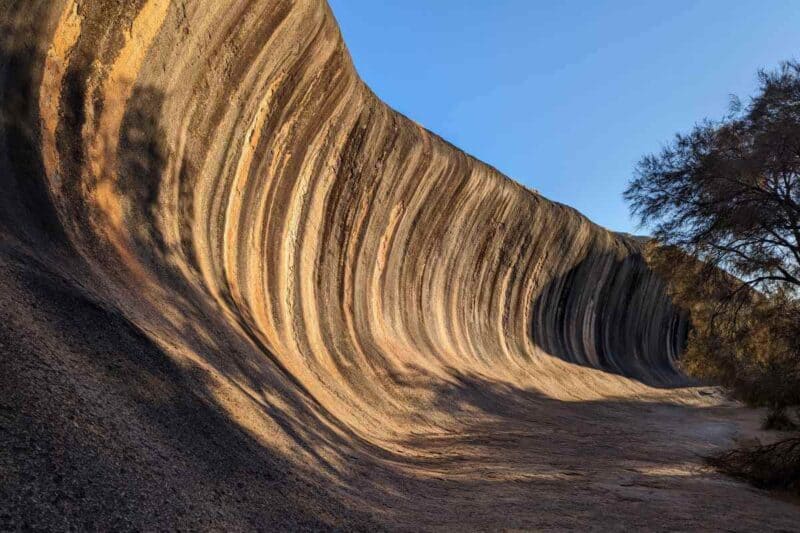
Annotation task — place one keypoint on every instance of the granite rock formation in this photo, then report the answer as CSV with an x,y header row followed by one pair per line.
x,y
239,291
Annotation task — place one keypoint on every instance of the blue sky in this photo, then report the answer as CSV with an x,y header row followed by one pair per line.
x,y
566,96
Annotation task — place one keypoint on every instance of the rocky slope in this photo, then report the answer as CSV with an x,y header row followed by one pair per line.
x,y
240,292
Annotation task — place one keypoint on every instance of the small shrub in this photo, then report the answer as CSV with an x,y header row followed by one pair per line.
x,y
774,466
778,420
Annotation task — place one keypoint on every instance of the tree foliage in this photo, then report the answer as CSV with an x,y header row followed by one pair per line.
x,y
740,337
728,192
724,204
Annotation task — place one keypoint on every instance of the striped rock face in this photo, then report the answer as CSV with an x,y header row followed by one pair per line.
x,y
334,279
234,145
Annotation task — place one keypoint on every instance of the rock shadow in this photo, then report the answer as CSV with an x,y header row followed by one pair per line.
x,y
613,315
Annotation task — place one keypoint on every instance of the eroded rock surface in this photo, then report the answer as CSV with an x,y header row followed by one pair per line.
x,y
238,291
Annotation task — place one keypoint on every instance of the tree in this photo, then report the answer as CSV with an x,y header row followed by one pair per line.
x,y
724,204
728,193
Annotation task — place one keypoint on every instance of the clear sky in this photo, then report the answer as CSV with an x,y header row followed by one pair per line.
x,y
566,96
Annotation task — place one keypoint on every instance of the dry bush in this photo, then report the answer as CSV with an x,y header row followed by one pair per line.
x,y
774,466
